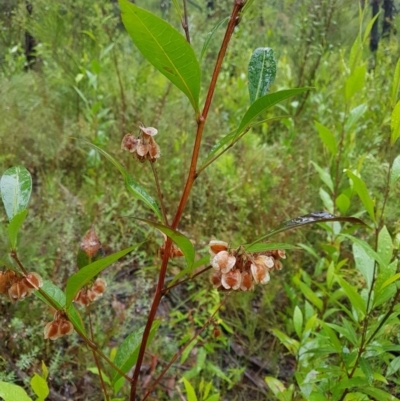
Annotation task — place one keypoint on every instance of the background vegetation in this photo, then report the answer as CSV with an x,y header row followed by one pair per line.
x,y
88,81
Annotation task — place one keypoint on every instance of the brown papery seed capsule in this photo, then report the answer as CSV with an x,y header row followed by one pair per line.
x,y
66,327
33,280
18,291
215,279
51,330
217,246
99,286
232,279
223,261
247,281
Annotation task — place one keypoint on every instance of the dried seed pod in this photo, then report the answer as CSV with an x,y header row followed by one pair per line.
x,y
278,265
33,280
18,290
267,261
91,296
65,327
247,283
150,131
52,330
260,273
223,261
81,298
217,246
129,143
90,243
99,286
7,279
215,279
232,279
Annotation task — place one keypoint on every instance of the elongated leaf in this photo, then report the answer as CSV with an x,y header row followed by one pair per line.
x,y
354,115
39,386
190,393
58,298
343,203
264,103
164,47
385,245
324,175
270,246
12,392
378,394
298,321
395,173
362,192
275,385
364,263
311,218
289,343
327,137
131,185
128,351
261,72
394,366
15,187
396,84
14,226
395,123
84,275
355,81
354,297
309,293
179,239
210,35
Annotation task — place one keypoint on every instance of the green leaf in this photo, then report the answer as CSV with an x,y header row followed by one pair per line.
x,y
362,192
354,115
393,367
343,203
326,200
355,298
95,371
84,275
210,35
395,173
191,394
378,394
327,137
14,227
12,392
58,298
367,369
39,386
45,371
15,187
179,239
355,81
264,103
275,385
291,344
298,321
269,246
128,352
332,336
324,176
165,48
308,293
364,263
131,185
385,245
396,84
395,124
261,72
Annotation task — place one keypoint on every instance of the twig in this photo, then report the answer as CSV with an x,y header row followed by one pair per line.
x,y
185,24
165,290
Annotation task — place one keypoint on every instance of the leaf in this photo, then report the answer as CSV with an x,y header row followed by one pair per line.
x,y
395,173
165,48
396,84
385,245
131,185
15,187
364,263
343,203
270,246
355,81
14,227
205,260
264,103
95,371
84,275
39,386
311,218
275,385
261,72
355,298
191,394
12,392
354,115
367,369
210,35
128,351
308,293
327,137
362,192
324,175
298,321
326,200
378,394
395,124
394,366
58,298
291,344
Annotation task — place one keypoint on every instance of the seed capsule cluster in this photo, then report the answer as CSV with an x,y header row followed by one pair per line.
x,y
59,327
144,147
87,295
18,287
238,270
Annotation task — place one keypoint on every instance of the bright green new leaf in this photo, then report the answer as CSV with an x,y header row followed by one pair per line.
x,y
128,352
12,392
355,81
179,239
95,371
58,298
14,227
45,371
131,185
362,192
291,344
395,173
385,245
39,386
326,200
298,321
355,298
264,103
309,293
324,176
190,393
327,137
343,203
261,72
396,84
210,35
395,124
164,47
364,263
15,187
275,385
355,114
84,275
